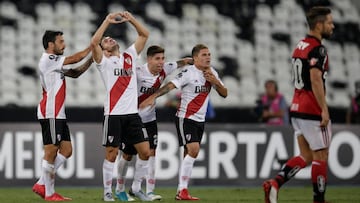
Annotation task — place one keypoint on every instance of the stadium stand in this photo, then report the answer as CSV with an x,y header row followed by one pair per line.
x,y
250,41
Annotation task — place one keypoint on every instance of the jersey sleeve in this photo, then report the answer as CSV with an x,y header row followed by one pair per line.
x,y
169,67
100,66
181,78
317,57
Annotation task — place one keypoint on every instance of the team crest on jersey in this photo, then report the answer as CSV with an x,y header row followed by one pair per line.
x,y
110,139
188,137
128,60
313,61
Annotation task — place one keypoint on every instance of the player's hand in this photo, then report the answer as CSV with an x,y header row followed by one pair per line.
x,y
127,16
150,101
116,18
325,118
209,76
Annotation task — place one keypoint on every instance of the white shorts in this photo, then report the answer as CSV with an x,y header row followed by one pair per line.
x,y
317,137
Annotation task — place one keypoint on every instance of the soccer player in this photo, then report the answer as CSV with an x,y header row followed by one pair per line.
x,y
122,123
195,82
149,78
309,110
51,110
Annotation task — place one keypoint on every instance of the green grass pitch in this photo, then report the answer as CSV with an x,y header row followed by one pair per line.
x,y
209,194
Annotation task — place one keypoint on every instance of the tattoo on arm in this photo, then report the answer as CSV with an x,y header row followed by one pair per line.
x,y
164,90
180,63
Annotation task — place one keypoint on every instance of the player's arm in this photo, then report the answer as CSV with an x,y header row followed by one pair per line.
x,y
96,39
76,72
317,86
143,33
219,87
184,61
77,57
150,101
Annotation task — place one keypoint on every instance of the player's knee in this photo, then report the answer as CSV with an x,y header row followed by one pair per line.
x,y
127,157
321,155
193,150
111,154
66,153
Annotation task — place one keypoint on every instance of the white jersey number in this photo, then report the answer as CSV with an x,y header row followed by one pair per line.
x,y
297,72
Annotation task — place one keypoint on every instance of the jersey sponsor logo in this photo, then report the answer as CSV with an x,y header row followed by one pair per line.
x,y
302,45
123,72
148,90
202,89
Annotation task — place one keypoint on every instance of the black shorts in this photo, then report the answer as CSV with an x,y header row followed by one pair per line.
x,y
189,130
150,133
122,129
54,131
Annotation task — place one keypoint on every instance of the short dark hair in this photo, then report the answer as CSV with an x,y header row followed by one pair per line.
x,y
50,36
272,82
197,48
152,50
316,14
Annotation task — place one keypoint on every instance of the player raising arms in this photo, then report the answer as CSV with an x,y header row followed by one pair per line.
x,y
51,110
309,110
149,78
121,120
195,82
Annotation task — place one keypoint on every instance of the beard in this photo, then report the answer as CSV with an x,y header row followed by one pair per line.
x,y
326,35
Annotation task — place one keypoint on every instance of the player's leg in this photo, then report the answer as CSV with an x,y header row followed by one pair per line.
x,y
292,166
152,131
296,163
319,163
141,168
111,140
123,162
189,134
137,138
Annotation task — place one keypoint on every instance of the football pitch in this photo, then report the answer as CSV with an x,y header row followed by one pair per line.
x,y
209,194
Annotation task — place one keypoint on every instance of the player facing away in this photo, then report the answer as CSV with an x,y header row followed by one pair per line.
x,y
195,82
51,109
309,110
149,78
122,123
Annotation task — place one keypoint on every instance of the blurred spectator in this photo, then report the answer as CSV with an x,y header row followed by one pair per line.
x,y
353,114
271,107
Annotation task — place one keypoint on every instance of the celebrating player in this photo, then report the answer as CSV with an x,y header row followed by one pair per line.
x,y
309,111
121,121
195,82
149,78
51,110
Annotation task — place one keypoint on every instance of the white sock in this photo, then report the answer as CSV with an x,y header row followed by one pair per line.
x,y
141,167
48,177
59,161
108,168
185,172
121,175
150,178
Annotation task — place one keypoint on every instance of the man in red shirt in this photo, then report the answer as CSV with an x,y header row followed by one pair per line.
x,y
309,110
